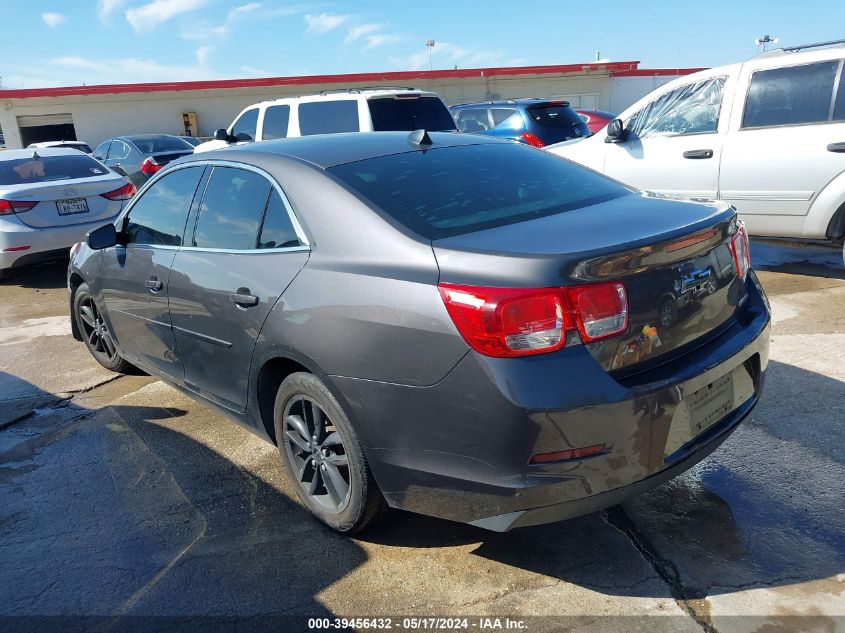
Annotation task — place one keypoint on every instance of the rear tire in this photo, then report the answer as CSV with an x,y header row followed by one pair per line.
x,y
322,456
96,333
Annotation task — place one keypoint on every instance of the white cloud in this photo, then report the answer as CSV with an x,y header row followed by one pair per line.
x,y
105,8
53,19
380,38
256,72
74,70
149,16
357,32
252,11
324,22
446,54
203,55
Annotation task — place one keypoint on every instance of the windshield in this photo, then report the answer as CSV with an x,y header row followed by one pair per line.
x,y
454,190
424,113
47,168
158,144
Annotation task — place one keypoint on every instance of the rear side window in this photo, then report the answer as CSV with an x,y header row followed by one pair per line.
x,y
231,210
328,117
790,96
693,108
500,115
158,216
473,120
554,115
102,150
427,113
119,150
277,230
276,122
244,128
48,168
455,190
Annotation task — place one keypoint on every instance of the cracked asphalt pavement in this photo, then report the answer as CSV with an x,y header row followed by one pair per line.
x,y
120,497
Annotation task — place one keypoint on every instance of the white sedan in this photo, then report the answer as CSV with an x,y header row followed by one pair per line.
x,y
49,199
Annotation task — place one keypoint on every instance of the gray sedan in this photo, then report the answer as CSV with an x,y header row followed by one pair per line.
x,y
141,155
448,324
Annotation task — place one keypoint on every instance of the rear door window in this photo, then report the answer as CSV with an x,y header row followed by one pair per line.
x,y
49,168
231,210
158,217
244,128
790,96
328,117
275,122
119,150
426,113
277,229
690,109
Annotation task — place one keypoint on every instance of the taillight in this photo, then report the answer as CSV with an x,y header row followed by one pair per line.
x,y
149,166
8,207
124,193
741,250
599,310
532,139
505,322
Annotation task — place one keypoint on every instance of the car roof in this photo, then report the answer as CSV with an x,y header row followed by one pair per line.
x,y
53,143
141,137
330,150
17,154
511,102
343,94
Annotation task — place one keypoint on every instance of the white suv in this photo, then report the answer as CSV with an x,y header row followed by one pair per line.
x,y
332,112
766,135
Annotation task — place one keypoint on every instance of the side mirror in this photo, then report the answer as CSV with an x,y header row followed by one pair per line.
x,y
222,135
616,132
102,237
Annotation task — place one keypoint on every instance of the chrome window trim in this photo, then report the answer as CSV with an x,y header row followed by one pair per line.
x,y
297,227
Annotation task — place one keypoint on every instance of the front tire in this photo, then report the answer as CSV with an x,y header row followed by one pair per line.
x,y
95,332
323,457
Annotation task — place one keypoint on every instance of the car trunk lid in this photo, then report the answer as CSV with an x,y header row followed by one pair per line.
x,y
672,256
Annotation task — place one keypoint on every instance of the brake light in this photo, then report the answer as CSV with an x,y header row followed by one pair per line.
x,y
572,453
8,207
505,322
532,139
741,251
150,166
124,193
600,310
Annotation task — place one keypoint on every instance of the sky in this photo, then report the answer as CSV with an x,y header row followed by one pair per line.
x,y
73,42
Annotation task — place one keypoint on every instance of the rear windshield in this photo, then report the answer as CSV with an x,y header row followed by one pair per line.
x,y
161,144
47,168
454,190
424,113
82,147
554,115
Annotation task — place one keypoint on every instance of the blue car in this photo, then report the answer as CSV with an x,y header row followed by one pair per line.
x,y
537,122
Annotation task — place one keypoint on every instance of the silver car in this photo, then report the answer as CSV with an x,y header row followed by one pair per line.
x,y
50,198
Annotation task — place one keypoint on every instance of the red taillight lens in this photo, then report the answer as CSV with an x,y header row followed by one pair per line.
x,y
124,193
150,166
532,139
599,310
741,250
8,207
572,453
505,322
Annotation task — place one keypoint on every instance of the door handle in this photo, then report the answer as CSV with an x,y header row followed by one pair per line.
x,y
836,147
699,153
153,284
243,298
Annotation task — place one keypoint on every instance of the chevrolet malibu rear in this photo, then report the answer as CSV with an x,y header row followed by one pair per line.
x,y
480,331
49,199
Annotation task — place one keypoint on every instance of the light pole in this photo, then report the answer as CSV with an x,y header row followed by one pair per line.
x,y
761,42
430,45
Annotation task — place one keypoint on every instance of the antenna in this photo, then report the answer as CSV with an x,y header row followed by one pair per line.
x,y
420,137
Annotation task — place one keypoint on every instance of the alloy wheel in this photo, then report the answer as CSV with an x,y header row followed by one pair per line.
x,y
316,452
96,332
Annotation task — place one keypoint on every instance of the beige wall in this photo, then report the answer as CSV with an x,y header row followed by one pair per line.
x,y
101,116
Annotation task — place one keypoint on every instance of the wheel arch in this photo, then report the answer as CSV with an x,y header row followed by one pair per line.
x,y
74,282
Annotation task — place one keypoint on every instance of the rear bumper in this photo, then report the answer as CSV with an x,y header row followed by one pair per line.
x,y
43,243
460,449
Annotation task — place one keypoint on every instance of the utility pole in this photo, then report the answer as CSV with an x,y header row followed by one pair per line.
x,y
430,45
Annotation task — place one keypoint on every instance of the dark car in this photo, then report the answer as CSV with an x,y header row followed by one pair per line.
x,y
534,121
454,325
139,156
596,120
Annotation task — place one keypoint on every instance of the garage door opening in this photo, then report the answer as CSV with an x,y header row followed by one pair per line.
x,y
46,127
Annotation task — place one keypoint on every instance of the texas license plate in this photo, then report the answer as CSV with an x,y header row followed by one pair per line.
x,y
710,404
72,206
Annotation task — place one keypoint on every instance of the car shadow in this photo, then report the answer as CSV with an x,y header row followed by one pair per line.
x,y
798,258
42,276
116,514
